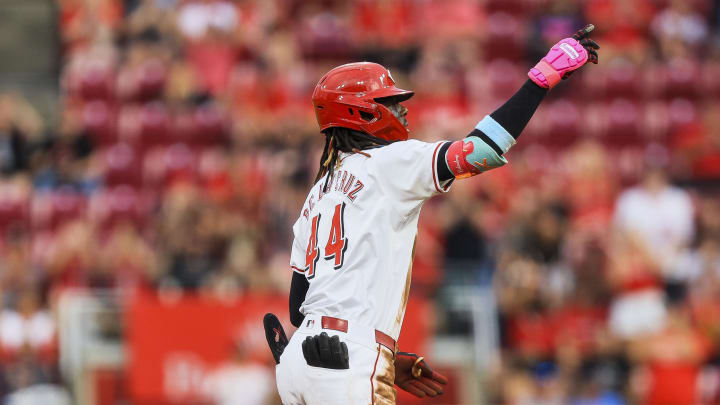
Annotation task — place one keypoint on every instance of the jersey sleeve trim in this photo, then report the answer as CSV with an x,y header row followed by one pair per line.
x,y
297,269
440,188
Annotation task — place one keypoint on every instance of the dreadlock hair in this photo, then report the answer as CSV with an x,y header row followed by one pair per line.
x,y
338,139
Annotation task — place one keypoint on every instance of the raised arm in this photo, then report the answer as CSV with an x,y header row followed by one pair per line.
x,y
484,148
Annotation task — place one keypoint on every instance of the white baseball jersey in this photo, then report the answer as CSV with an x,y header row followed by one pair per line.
x,y
355,242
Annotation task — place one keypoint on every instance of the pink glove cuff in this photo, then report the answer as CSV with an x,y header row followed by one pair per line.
x,y
564,57
544,75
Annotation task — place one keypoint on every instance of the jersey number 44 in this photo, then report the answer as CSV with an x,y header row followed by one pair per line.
x,y
336,244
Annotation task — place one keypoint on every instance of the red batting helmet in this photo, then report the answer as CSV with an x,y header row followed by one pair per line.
x,y
349,96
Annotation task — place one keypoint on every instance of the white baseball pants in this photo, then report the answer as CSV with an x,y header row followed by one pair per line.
x,y
370,380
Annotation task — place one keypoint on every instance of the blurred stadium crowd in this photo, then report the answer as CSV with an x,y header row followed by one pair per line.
x,y
186,143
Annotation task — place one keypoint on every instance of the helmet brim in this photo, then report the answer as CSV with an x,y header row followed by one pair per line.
x,y
397,96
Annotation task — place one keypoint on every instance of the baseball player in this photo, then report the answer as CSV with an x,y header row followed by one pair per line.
x,y
353,248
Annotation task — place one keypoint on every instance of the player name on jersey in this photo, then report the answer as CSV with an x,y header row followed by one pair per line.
x,y
342,181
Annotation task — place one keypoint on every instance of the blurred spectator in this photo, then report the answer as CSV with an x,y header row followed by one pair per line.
x,y
197,19
209,27
679,25
591,393
639,209
622,26
388,25
241,380
27,350
698,146
561,18
40,394
129,258
671,360
638,306
591,186
27,327
20,125
324,25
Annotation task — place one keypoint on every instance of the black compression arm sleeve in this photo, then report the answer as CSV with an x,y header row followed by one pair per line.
x,y
515,114
298,289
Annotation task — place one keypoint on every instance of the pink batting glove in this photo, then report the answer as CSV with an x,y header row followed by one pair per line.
x,y
564,57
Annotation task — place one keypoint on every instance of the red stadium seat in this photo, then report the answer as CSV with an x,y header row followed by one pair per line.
x,y
142,83
325,35
710,79
682,78
504,77
681,112
180,163
154,124
621,81
96,82
53,208
120,204
655,122
41,210
152,76
506,6
214,173
127,84
129,124
624,118
591,86
210,125
122,166
532,6
595,119
506,37
211,163
537,129
14,211
100,120
564,123
166,165
653,81
183,128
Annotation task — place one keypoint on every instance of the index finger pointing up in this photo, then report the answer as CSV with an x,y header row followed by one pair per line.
x,y
583,32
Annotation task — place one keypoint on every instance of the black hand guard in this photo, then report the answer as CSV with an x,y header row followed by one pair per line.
x,y
275,335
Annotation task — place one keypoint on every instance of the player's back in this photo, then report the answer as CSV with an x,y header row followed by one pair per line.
x,y
354,240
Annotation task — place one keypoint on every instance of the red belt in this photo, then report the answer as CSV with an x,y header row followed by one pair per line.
x,y
341,325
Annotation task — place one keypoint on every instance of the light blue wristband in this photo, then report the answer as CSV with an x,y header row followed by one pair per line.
x,y
496,132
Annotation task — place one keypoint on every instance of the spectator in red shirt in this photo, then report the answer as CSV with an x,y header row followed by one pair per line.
x,y
622,24
698,145
672,359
